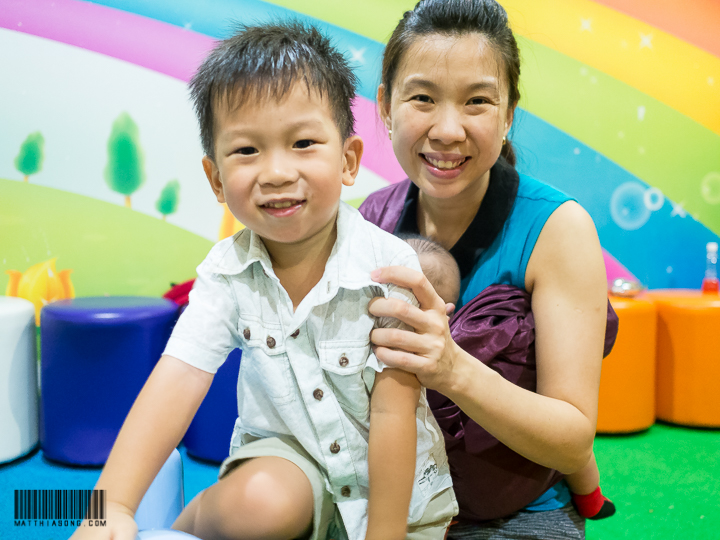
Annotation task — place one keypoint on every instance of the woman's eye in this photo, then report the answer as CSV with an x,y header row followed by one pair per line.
x,y
478,101
304,143
246,150
422,98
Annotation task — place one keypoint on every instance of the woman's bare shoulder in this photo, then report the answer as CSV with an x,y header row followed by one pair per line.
x,y
568,249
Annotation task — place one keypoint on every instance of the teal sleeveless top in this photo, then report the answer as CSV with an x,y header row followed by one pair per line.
x,y
495,249
506,259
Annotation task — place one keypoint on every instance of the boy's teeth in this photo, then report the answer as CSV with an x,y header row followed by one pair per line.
x,y
440,164
285,204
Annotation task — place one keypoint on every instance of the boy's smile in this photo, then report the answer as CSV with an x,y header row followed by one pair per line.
x,y
280,165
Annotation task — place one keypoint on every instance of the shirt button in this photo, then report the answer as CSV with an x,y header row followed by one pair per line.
x,y
345,491
318,394
343,361
246,333
335,447
270,342
295,334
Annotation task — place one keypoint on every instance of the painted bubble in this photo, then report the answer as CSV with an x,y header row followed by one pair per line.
x,y
627,206
710,188
654,199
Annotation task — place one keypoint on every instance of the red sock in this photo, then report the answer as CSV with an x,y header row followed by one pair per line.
x,y
589,505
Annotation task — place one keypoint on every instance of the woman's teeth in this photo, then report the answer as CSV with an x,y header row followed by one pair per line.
x,y
440,164
286,204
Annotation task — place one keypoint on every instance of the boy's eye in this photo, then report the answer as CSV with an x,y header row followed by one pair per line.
x,y
304,143
246,150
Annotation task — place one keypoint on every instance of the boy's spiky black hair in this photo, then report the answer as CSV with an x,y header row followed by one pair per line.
x,y
265,61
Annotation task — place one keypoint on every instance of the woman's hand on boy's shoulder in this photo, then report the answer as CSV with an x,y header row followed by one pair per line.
x,y
120,526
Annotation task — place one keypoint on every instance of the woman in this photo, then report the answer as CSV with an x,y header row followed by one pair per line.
x,y
448,94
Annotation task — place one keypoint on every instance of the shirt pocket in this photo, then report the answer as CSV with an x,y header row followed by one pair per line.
x,y
267,368
342,363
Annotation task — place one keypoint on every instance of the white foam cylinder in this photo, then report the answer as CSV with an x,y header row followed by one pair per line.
x,y
165,534
164,499
18,378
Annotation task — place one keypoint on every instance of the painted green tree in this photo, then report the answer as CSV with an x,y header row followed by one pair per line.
x,y
169,198
32,153
125,169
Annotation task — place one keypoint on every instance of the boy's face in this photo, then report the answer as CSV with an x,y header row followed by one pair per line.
x,y
280,166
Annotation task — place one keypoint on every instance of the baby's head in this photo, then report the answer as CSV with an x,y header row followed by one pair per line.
x,y
274,107
438,265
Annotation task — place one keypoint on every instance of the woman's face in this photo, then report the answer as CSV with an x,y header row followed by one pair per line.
x,y
448,113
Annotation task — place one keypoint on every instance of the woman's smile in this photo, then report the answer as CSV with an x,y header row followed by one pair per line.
x,y
444,167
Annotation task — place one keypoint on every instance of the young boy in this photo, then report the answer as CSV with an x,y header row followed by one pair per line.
x,y
291,290
443,273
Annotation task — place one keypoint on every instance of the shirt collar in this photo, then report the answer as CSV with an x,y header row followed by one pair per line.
x,y
485,226
354,255
236,254
352,259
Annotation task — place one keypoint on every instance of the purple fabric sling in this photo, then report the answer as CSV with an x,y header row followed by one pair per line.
x,y
497,327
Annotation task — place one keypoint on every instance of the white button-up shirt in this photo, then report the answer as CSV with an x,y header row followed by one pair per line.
x,y
307,374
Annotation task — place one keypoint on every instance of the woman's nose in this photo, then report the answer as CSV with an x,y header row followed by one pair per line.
x,y
447,126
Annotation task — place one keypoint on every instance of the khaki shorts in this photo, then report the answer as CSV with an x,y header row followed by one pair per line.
x,y
326,519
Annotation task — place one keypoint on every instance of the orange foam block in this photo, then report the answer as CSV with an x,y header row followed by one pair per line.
x,y
627,384
688,357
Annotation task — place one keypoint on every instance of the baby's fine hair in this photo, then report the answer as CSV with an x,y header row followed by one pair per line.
x,y
438,265
265,61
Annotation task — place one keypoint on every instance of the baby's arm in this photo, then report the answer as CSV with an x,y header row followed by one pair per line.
x,y
157,421
392,453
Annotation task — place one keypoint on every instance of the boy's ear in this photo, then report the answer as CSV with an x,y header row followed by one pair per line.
x,y
213,176
383,108
353,151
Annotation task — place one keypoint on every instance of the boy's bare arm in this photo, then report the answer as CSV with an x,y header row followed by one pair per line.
x,y
154,426
392,453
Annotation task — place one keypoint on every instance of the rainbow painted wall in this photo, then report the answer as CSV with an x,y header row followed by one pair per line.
x,y
620,109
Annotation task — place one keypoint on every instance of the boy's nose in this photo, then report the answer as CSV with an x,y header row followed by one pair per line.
x,y
278,171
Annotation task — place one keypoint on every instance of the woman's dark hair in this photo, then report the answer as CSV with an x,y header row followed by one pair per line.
x,y
265,61
457,17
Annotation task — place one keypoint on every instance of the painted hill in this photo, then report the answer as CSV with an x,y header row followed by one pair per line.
x,y
111,250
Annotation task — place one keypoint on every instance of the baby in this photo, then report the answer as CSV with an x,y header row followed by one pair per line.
x,y
328,443
439,267
442,272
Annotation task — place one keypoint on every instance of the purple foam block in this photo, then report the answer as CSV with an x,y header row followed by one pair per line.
x,y
96,354
208,436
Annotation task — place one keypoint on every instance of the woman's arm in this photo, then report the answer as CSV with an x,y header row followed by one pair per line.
x,y
555,426
154,426
393,427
